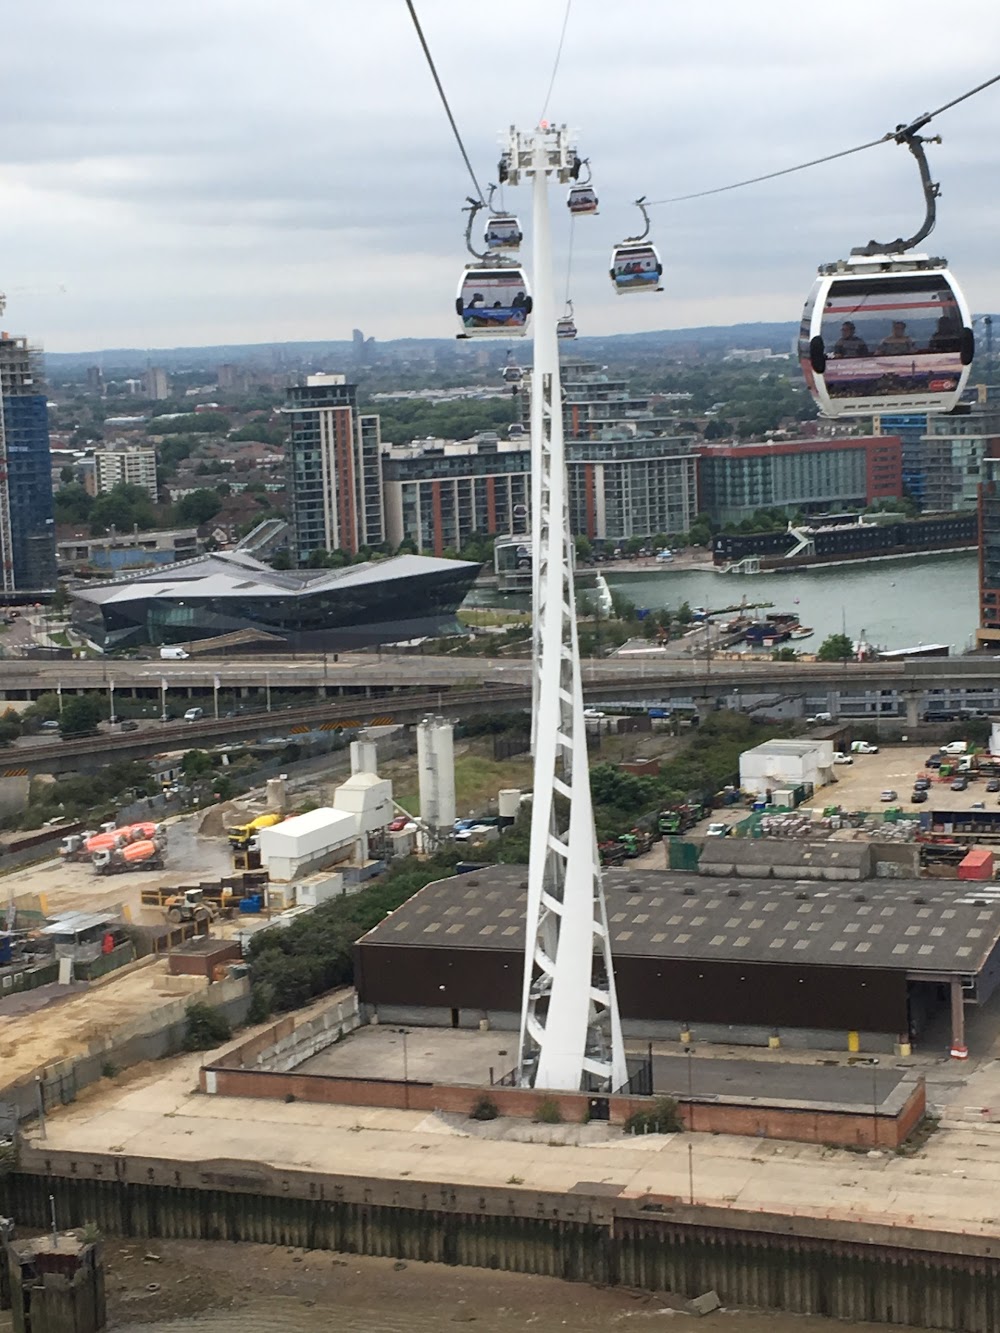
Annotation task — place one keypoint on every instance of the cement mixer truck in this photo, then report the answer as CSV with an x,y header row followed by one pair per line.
x,y
146,854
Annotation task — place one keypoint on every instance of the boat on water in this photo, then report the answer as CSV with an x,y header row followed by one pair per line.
x,y
803,632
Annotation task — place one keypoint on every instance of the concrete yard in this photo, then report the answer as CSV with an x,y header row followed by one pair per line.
x,y
950,1183
460,1056
859,785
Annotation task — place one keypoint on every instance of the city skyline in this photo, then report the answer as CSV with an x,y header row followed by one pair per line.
x,y
188,176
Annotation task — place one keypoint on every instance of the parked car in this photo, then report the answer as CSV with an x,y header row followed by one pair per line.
x,y
399,824
919,795
50,725
960,784
864,747
933,761
924,784
993,784
889,795
955,747
129,725
839,758
716,830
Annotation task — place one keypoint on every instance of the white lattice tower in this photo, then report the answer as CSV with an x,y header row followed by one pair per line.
x,y
570,1027
6,538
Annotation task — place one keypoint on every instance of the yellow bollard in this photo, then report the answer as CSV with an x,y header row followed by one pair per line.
x,y
853,1042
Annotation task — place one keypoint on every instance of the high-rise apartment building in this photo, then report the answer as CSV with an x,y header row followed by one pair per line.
x,y
594,403
440,494
988,633
953,452
911,427
27,531
133,464
334,468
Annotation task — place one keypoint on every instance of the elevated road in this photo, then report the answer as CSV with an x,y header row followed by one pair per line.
x,y
365,690
20,678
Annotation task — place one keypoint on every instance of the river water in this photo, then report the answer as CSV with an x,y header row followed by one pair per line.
x,y
898,602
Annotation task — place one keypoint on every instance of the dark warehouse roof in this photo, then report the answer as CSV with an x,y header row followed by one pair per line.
x,y
902,925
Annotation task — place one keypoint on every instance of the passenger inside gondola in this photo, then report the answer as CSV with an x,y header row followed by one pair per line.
x,y
898,342
849,344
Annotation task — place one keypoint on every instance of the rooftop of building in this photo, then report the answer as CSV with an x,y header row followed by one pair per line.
x,y
900,925
790,749
235,574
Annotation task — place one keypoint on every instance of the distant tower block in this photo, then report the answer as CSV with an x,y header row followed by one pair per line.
x,y
436,772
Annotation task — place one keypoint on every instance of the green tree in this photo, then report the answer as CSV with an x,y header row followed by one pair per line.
x,y
10,727
72,504
197,507
282,559
584,547
784,655
836,648
196,764
123,507
67,474
45,708
80,715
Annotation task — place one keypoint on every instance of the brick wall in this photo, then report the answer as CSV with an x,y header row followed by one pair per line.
x,y
854,1128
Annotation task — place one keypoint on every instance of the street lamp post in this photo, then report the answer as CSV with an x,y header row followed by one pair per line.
x,y
267,689
874,1101
403,1032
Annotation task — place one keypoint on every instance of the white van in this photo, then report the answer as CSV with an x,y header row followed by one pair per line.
x,y
194,715
173,654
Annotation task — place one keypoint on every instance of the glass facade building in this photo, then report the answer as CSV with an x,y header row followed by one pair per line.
x,y
385,601
808,476
29,545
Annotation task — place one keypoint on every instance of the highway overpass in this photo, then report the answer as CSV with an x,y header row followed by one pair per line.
x,y
364,690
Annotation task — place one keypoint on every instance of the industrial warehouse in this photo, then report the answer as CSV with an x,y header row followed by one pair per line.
x,y
226,594
830,964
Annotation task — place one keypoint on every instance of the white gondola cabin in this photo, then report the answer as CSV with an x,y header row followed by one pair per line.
x,y
635,267
581,199
503,232
886,333
566,326
493,302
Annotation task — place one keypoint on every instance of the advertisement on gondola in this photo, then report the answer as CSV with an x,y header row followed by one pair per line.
x,y
494,299
635,267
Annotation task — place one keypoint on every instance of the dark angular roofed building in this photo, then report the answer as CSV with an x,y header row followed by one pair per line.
x,y
383,601
732,960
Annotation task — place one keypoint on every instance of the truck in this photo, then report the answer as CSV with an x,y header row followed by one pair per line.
x,y
240,835
679,818
147,854
636,841
173,654
611,853
181,904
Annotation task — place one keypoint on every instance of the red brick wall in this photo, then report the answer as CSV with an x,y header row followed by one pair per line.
x,y
860,1128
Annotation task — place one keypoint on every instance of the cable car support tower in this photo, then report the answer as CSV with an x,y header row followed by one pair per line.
x,y
571,1034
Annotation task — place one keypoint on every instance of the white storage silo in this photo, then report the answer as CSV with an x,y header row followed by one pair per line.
x,y
436,772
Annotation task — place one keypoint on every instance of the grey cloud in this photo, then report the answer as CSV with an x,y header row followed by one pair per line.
x,y
170,157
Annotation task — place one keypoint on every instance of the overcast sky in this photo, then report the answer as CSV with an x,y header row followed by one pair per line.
x,y
206,171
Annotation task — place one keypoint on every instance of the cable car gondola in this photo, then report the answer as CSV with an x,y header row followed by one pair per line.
x,y
887,331
503,232
512,372
493,302
566,327
581,197
635,263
